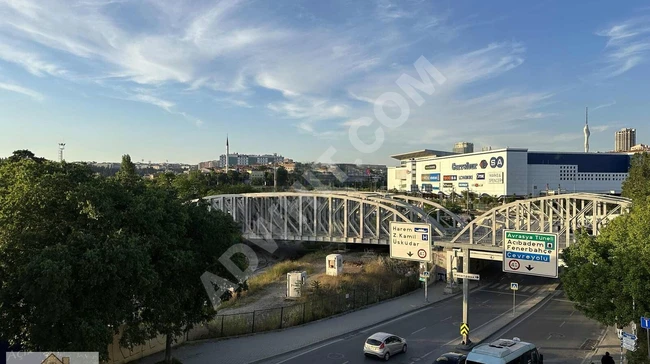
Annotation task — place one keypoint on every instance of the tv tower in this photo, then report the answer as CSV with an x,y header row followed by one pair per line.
x,y
586,130
61,148
227,153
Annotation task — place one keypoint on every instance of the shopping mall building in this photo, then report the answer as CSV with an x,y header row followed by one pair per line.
x,y
508,172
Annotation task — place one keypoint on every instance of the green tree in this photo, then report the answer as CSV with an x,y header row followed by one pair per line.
x,y
191,244
282,176
607,276
128,175
69,271
24,154
637,185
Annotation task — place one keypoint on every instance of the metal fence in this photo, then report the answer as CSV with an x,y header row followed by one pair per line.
x,y
300,313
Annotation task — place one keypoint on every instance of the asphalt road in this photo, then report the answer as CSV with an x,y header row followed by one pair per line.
x,y
562,334
429,333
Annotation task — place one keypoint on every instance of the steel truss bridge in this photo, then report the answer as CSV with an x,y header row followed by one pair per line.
x,y
358,217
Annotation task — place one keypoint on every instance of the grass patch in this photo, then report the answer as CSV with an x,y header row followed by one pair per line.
x,y
276,273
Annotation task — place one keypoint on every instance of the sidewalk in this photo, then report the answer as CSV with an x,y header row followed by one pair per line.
x,y
247,349
609,342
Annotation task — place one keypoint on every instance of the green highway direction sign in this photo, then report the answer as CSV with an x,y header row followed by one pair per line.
x,y
409,241
533,254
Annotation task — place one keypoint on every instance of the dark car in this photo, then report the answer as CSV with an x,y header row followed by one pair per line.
x,y
451,358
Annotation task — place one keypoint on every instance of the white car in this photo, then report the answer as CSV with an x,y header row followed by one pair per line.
x,y
383,345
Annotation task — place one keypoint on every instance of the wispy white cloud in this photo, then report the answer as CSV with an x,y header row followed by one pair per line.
x,y
22,90
149,99
628,44
31,62
605,105
600,128
490,61
233,102
310,109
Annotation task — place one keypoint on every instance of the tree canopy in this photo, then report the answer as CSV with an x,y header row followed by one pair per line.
x,y
637,185
608,276
82,255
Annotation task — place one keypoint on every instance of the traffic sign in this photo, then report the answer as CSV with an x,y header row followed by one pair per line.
x,y
464,329
628,341
627,335
629,347
645,322
514,286
474,277
529,253
409,241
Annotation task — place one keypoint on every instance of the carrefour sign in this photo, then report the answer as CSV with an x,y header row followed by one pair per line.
x,y
468,165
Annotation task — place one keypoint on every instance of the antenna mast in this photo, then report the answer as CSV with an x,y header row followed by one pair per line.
x,y
61,148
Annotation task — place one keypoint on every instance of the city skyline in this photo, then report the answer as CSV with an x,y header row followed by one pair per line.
x,y
162,81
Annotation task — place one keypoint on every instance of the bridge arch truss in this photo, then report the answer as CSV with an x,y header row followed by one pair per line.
x,y
561,214
332,216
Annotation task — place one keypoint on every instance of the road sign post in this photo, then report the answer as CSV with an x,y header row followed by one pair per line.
x,y
466,340
409,241
527,253
424,277
514,287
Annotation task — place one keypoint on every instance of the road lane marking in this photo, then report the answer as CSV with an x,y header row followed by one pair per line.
x,y
308,351
522,318
346,362
416,331
393,320
562,324
484,302
572,312
445,319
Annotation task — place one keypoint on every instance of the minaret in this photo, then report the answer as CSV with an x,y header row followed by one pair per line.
x,y
586,130
227,153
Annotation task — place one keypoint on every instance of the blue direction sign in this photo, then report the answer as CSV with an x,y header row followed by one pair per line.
x,y
528,253
645,322
629,336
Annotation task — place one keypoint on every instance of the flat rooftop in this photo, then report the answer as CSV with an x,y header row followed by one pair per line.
x,y
422,153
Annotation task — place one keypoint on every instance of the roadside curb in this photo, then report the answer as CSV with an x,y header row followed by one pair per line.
x,y
543,299
356,331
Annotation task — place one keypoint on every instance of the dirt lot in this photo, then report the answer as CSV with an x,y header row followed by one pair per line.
x,y
267,289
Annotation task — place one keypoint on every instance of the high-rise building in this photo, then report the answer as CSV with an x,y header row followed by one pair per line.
x,y
625,139
464,147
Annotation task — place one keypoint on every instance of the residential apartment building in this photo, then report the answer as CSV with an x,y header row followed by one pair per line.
x,y
625,139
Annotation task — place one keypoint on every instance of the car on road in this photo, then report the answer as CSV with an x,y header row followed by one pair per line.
x,y
505,351
451,358
384,345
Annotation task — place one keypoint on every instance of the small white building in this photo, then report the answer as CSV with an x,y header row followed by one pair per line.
x,y
334,265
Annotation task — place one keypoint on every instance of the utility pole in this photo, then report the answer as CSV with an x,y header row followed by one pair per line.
x,y
466,340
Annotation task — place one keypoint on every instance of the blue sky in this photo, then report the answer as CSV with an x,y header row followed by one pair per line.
x,y
167,79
